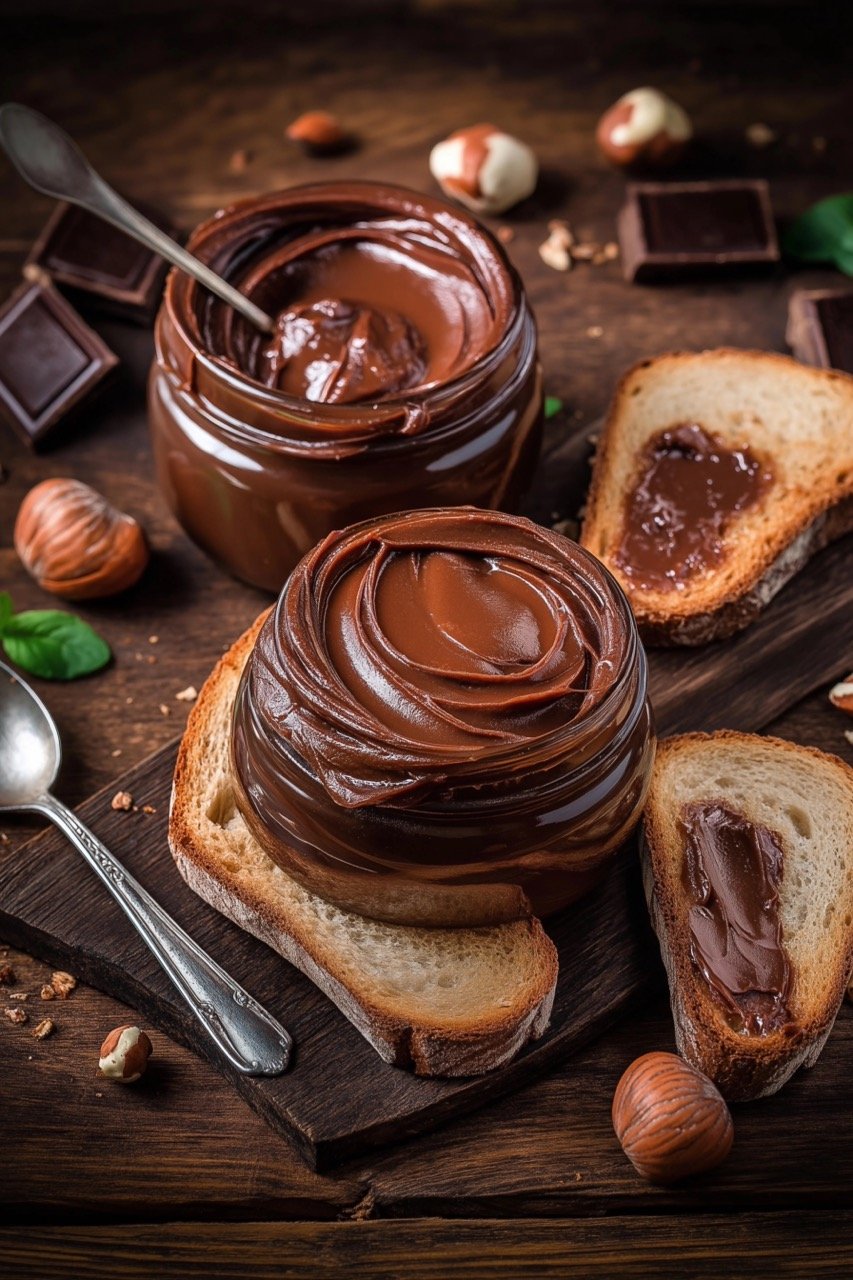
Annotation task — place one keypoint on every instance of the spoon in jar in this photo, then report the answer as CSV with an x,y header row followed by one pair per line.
x,y
250,1038
48,160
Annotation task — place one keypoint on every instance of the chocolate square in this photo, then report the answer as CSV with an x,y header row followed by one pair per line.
x,y
50,360
669,230
97,265
820,327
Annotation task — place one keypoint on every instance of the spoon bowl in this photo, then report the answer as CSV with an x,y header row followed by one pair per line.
x,y
30,752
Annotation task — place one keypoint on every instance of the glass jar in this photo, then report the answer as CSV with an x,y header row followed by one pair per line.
x,y
445,721
257,475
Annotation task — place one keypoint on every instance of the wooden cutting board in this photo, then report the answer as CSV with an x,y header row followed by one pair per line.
x,y
339,1098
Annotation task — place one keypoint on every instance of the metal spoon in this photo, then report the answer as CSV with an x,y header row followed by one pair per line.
x,y
249,1037
48,160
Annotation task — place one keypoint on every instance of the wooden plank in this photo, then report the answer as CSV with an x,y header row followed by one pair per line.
x,y
749,1245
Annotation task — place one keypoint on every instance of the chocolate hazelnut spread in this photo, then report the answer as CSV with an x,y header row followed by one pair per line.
x,y
449,697
732,871
403,373
689,490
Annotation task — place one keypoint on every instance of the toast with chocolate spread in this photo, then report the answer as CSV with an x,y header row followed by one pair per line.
x,y
748,870
440,1001
717,476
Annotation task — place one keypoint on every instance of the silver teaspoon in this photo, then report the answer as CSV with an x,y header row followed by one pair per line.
x,y
249,1037
48,160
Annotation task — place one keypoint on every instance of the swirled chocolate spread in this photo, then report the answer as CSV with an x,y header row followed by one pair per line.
x,y
689,490
368,307
732,871
452,691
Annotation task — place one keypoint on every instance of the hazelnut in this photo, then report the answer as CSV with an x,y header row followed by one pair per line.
x,y
670,1119
124,1055
644,129
841,694
75,544
483,168
318,131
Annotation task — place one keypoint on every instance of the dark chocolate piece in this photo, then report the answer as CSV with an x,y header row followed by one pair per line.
x,y
678,229
820,327
50,360
97,265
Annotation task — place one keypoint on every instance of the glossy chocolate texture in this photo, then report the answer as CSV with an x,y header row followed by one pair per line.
x,y
444,719
820,327
732,872
689,489
99,266
403,373
50,361
672,230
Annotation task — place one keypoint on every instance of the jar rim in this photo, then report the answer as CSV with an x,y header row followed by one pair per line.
x,y
180,294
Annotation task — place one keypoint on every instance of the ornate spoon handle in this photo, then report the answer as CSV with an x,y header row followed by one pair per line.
x,y
248,1036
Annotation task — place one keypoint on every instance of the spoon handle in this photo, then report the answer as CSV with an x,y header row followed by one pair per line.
x,y
249,1037
102,200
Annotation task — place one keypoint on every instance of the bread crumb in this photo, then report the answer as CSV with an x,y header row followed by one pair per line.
x,y
506,234
116,753
187,695
19,995
848,733
43,1029
594,331
148,808
164,710
47,992
18,1015
153,639
122,800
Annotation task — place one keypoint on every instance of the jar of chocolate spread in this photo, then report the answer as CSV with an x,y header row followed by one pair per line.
x,y
444,720
403,373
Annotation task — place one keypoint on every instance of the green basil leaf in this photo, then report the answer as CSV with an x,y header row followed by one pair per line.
x,y
553,405
824,233
52,644
5,609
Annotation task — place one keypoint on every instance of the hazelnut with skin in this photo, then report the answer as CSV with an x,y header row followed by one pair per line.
x,y
483,168
644,129
124,1055
670,1119
76,544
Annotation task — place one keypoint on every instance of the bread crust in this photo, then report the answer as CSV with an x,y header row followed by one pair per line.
x,y
821,517
742,1067
416,1041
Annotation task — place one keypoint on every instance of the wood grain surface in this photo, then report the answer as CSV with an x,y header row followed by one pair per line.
x,y
161,100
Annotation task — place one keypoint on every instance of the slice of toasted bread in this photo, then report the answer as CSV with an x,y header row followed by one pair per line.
x,y
806,798
444,1002
797,418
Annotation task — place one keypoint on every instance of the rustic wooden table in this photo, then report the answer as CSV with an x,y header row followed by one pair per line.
x,y
179,1176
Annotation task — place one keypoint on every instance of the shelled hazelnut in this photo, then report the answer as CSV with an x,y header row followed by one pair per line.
x,y
644,129
483,168
124,1055
670,1119
76,544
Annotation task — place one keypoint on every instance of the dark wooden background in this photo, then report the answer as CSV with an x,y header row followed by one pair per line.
x,y
178,1175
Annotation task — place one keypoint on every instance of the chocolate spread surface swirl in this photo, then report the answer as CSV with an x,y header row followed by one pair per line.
x,y
427,650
